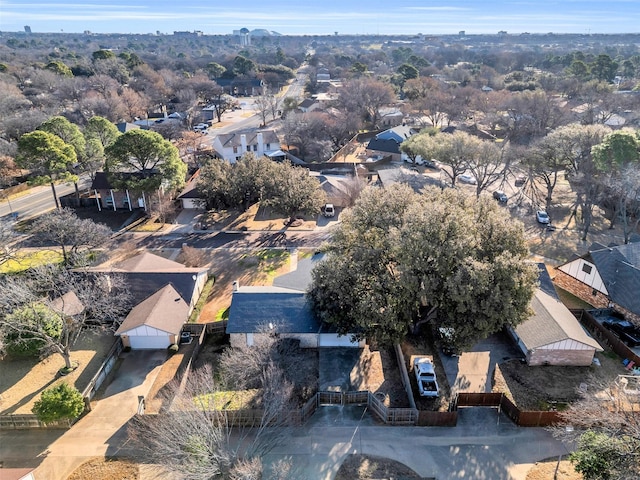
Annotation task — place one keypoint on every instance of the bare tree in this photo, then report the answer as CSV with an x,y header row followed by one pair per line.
x,y
51,305
73,235
198,438
609,414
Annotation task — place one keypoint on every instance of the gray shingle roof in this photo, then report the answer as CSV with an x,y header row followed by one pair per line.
x,y
289,310
619,268
300,278
165,310
417,182
550,323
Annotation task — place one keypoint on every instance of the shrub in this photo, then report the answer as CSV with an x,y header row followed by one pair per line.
x,y
174,348
37,321
59,402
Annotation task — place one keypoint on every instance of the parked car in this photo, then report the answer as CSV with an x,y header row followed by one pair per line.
x,y
625,330
431,164
520,181
500,196
201,126
468,179
543,217
329,210
426,377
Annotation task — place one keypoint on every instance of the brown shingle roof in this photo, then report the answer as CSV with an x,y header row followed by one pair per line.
x,y
165,310
68,304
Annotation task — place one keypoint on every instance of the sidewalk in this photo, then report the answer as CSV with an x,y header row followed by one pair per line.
x,y
57,453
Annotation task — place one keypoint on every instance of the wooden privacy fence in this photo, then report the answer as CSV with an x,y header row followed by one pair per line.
x,y
517,416
18,422
605,336
89,392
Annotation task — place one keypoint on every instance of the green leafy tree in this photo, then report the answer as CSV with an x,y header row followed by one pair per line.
x,y
398,259
294,191
30,318
47,155
101,129
153,161
59,403
243,65
103,55
604,68
215,70
60,68
407,72
596,455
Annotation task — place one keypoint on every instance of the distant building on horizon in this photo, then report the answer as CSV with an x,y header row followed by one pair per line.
x,y
244,36
27,29
195,33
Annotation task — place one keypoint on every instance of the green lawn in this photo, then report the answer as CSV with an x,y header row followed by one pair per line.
x,y
24,261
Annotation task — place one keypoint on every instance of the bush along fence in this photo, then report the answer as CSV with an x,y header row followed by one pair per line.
x,y
589,319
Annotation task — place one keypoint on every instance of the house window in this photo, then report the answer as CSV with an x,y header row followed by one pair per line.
x,y
586,268
235,149
255,148
594,292
248,148
268,147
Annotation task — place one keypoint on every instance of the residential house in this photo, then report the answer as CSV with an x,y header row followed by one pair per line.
x,y
605,276
242,86
309,105
322,75
17,473
231,146
155,322
110,198
282,309
190,196
388,142
124,127
164,292
553,335
390,117
338,189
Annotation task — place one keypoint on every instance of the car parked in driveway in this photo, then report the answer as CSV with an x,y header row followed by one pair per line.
x,y
543,217
625,330
329,210
426,377
500,196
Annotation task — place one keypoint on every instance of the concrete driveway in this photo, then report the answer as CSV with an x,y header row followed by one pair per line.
x,y
56,453
473,371
485,445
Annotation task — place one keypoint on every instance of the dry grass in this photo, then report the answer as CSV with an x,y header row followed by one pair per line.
x,y
546,471
254,218
100,468
22,380
546,387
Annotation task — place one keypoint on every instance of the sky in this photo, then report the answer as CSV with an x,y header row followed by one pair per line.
x,y
310,17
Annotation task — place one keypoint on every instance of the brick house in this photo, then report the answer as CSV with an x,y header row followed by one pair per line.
x,y
553,335
605,276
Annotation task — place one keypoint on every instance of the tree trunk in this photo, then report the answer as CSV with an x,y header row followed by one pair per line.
x,y
55,196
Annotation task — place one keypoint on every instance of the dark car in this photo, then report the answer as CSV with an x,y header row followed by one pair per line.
x,y
500,196
625,330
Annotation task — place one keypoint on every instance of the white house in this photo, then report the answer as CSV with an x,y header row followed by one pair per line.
x,y
231,146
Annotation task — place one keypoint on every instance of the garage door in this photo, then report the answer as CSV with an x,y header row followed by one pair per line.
x,y
333,340
147,343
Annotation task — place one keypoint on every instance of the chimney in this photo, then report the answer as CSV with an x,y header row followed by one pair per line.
x,y
260,140
243,143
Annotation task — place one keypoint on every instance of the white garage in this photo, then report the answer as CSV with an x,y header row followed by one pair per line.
x,y
155,323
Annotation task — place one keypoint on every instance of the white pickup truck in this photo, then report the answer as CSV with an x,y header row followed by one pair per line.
x,y
425,376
